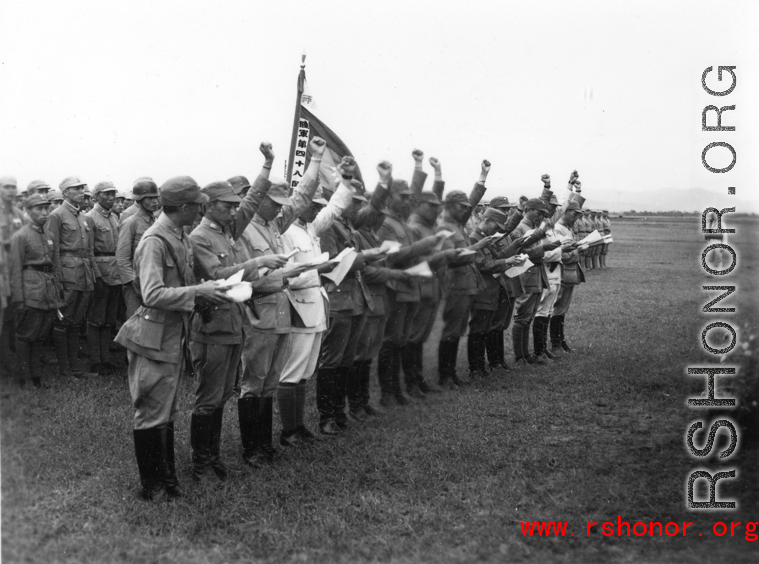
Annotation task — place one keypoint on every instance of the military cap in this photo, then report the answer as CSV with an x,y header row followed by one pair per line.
x,y
121,195
11,180
537,204
430,198
87,192
105,186
574,206
577,198
500,202
359,193
145,188
70,182
497,216
239,183
37,186
278,193
553,201
54,195
221,191
605,211
319,198
36,200
181,190
400,187
457,197
546,194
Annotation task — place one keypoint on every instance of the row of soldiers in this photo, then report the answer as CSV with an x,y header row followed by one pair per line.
x,y
298,321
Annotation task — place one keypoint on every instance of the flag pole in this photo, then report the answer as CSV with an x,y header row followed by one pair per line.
x,y
296,119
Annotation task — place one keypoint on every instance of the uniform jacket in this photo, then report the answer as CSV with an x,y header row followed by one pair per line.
x,y
11,220
130,211
606,226
394,228
307,297
105,228
534,279
376,276
130,232
572,272
32,271
165,282
462,277
271,312
73,246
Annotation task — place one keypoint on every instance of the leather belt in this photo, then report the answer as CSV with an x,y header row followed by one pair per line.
x,y
104,254
38,267
79,253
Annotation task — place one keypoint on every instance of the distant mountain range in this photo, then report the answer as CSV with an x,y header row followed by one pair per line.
x,y
668,199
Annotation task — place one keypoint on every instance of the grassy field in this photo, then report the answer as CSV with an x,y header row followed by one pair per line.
x,y
448,479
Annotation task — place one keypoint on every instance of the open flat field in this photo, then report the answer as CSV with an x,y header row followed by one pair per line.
x,y
449,479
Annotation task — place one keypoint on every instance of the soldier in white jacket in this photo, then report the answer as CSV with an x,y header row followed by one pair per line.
x,y
310,306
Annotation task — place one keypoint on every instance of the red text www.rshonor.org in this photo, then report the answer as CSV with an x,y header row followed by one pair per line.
x,y
620,528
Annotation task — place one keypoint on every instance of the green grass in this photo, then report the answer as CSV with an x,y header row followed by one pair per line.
x,y
447,480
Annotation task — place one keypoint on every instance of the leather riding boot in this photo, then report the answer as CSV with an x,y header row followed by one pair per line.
x,y
539,328
60,344
517,341
35,363
266,414
287,401
170,481
594,260
341,392
247,412
93,345
23,361
444,365
475,349
216,463
355,393
105,348
453,343
300,408
201,429
564,344
425,384
365,374
385,368
147,448
410,374
325,391
545,341
555,335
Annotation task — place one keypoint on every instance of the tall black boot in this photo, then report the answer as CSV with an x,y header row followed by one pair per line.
x,y
201,430
564,344
93,345
325,392
385,373
23,361
545,340
539,327
170,481
300,408
476,355
265,416
216,463
555,335
517,340
341,393
354,388
410,375
72,341
60,344
531,358
287,401
453,343
35,363
105,348
147,448
444,365
247,412
365,373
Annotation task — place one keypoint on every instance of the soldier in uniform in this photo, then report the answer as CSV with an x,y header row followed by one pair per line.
x,y
216,337
155,336
463,280
572,275
533,281
38,187
11,220
596,226
585,228
118,205
73,240
310,305
101,318
35,292
606,225
133,223
268,331
55,198
491,263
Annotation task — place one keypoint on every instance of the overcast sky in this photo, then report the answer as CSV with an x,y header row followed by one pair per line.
x,y
118,90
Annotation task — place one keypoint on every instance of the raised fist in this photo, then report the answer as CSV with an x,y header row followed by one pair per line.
x,y
485,166
573,177
578,186
347,166
316,147
385,170
265,148
418,155
435,163
546,180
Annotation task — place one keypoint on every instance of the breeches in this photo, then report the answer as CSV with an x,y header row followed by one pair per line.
x,y
263,359
105,304
456,316
153,386
303,357
341,341
216,367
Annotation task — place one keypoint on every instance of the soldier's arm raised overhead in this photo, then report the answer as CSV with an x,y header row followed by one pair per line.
x,y
304,192
479,189
340,199
256,194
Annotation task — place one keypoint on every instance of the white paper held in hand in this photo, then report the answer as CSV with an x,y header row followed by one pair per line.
x,y
421,270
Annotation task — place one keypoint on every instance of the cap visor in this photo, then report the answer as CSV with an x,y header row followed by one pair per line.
x,y
231,198
200,199
280,200
406,193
